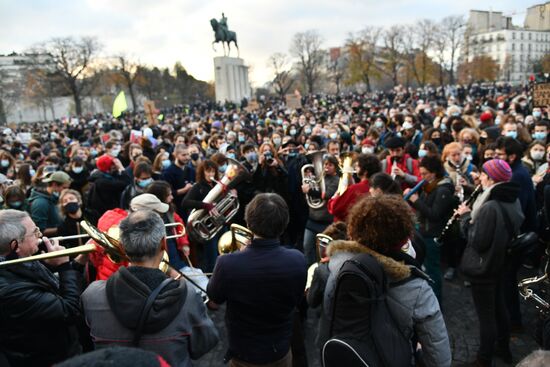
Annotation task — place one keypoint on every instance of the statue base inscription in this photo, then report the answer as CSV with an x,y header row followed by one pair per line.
x,y
231,76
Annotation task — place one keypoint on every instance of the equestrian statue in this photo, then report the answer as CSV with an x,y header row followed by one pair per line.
x,y
223,34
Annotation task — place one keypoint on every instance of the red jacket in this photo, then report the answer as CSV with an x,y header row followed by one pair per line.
x,y
104,266
408,165
339,206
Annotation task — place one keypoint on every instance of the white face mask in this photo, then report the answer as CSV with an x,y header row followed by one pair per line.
x,y
367,150
537,155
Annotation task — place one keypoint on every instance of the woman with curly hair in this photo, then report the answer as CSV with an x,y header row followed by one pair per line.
x,y
379,226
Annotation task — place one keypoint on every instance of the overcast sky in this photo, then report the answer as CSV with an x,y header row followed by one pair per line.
x,y
162,32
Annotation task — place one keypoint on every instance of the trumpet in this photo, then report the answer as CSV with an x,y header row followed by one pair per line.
x,y
346,163
316,181
236,239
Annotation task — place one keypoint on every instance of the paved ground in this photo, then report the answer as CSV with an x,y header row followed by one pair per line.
x,y
459,315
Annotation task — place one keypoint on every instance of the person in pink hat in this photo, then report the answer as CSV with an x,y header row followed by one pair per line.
x,y
491,223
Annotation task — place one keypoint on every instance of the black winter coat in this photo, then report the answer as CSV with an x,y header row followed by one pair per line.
x,y
435,208
37,316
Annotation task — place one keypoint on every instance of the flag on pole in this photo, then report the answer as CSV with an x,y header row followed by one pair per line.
x,y
119,104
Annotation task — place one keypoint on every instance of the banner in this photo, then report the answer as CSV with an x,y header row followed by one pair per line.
x,y
151,112
541,95
119,105
293,101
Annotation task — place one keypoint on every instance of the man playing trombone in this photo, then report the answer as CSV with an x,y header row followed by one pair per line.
x,y
141,306
37,309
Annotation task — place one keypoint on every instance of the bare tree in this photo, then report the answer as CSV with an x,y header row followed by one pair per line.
x,y
73,62
440,49
392,52
362,49
282,79
128,72
337,66
306,46
425,34
453,33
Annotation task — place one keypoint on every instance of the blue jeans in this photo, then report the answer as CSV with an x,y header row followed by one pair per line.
x,y
173,255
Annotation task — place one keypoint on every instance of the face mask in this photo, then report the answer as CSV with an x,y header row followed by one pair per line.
x,y
223,168
367,150
482,140
5,163
15,204
32,172
497,121
241,139
144,183
277,141
455,114
78,170
251,157
539,135
422,153
293,132
55,194
427,110
93,152
359,135
468,157
333,136
536,114
307,131
306,145
512,134
279,121
399,134
379,124
21,157
292,154
231,155
436,141
115,152
195,156
443,127
537,155
268,155
71,207
165,163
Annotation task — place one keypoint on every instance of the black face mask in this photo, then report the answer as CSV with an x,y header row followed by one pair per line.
x,y
436,141
72,207
482,140
195,156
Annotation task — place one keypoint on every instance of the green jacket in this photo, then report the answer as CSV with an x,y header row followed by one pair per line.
x,y
44,211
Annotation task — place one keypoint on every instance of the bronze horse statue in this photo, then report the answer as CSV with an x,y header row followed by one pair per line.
x,y
224,36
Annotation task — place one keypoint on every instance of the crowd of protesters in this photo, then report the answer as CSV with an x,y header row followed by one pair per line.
x,y
454,138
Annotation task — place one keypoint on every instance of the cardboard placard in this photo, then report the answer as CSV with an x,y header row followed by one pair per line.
x,y
150,112
293,101
252,106
541,95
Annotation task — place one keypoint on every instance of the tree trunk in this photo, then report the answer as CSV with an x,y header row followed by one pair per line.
x,y
441,74
132,96
76,97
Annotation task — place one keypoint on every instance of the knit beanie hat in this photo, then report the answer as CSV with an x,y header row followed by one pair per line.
x,y
498,170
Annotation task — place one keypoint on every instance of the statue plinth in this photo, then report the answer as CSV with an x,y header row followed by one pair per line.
x,y
231,75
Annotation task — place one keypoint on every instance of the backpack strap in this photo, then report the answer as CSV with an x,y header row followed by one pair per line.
x,y
146,309
415,273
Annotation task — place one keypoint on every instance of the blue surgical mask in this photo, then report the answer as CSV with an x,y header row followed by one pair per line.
x,y
93,152
292,154
536,114
512,134
241,139
292,132
443,127
333,136
251,157
307,130
277,141
497,121
231,155
32,172
115,152
78,170
455,114
379,124
5,163
279,121
422,153
539,135
55,194
222,168
306,146
165,163
144,183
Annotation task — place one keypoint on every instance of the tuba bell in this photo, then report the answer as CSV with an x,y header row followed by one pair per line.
x,y
202,225
316,181
346,166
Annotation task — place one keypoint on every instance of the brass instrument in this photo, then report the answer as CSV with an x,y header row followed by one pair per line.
x,y
316,181
528,294
443,236
346,166
202,225
236,239
321,243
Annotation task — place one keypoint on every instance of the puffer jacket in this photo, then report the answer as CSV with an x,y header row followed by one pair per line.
x,y
412,303
177,327
38,314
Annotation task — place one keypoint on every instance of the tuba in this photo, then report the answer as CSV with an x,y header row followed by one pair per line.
x,y
202,225
316,181
346,166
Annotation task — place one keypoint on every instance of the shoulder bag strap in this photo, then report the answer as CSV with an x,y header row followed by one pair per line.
x,y
147,308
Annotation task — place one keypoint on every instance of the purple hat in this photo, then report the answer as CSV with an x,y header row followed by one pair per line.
x,y
498,170
217,124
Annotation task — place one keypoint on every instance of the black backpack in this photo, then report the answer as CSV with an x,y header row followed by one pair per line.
x,y
362,319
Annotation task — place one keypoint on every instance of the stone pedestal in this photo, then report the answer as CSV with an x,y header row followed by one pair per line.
x,y
231,76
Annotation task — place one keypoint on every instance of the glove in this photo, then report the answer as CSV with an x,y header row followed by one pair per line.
x,y
208,206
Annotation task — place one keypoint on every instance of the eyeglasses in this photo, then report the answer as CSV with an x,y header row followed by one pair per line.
x,y
36,232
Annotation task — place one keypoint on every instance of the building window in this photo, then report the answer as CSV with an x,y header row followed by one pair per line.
x,y
513,35
529,36
521,35
513,46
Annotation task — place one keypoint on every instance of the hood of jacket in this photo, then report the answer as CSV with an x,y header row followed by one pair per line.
x,y
340,251
42,193
506,192
128,290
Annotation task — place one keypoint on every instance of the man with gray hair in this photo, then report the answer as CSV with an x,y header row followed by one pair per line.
x,y
141,306
37,310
